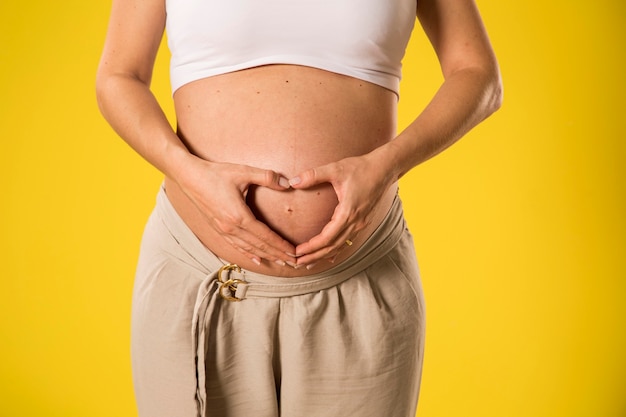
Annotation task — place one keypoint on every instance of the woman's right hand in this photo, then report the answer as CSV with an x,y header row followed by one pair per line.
x,y
219,191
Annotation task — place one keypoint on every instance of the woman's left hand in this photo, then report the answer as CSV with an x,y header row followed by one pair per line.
x,y
359,183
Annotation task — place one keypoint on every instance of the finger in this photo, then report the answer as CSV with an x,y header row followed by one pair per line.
x,y
329,252
326,238
239,245
257,251
333,237
251,252
266,178
327,243
254,237
266,243
266,246
313,176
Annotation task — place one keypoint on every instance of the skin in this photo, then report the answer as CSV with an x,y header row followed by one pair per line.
x,y
309,158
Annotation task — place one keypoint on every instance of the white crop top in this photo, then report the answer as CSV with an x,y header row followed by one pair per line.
x,y
365,39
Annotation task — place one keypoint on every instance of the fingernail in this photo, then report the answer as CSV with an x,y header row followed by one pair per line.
x,y
293,265
311,266
256,261
293,255
280,262
284,182
295,181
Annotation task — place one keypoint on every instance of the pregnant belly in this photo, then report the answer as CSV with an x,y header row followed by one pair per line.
x,y
287,119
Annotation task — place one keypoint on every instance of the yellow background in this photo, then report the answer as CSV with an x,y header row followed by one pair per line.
x,y
520,228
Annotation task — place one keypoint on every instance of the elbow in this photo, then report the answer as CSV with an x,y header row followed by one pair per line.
x,y
101,89
494,92
108,90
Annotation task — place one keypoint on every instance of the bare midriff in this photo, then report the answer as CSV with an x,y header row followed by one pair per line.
x,y
288,119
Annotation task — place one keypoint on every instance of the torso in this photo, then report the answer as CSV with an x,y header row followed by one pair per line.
x,y
285,118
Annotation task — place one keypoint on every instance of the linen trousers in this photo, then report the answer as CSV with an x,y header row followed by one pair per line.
x,y
210,339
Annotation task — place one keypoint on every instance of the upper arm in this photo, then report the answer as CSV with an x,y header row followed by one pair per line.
x,y
134,34
457,33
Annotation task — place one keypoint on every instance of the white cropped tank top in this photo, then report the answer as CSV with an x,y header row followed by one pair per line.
x,y
364,39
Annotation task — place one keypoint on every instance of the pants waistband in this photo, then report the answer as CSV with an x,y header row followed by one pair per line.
x,y
236,284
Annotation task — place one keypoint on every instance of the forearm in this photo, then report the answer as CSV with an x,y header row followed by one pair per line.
x,y
466,98
134,113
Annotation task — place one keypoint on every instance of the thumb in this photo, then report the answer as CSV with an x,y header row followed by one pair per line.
x,y
311,177
268,178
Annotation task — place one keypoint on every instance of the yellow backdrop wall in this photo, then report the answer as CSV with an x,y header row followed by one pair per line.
x,y
520,228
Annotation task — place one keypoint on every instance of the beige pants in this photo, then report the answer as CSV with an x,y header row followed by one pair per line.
x,y
210,341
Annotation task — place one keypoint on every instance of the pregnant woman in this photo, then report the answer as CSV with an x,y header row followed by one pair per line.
x,y
276,275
